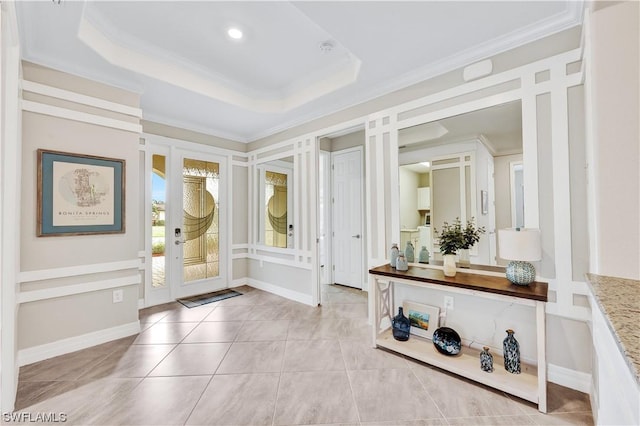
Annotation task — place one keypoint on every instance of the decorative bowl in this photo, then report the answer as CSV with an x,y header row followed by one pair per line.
x,y
447,341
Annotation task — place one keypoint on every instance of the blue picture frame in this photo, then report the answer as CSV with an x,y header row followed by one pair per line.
x,y
80,194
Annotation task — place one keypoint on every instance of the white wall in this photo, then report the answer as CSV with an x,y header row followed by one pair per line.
x,y
75,265
409,215
616,145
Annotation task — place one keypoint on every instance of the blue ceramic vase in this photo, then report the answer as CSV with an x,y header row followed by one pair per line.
x,y
511,349
393,255
409,252
486,360
400,326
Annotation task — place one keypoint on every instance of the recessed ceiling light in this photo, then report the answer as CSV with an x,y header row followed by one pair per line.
x,y
234,33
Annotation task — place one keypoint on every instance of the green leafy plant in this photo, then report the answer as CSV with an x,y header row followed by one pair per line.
x,y
157,248
471,234
450,238
454,236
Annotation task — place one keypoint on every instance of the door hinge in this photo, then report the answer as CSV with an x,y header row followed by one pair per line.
x,y
334,267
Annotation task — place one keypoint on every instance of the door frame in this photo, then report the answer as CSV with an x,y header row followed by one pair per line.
x,y
174,149
363,262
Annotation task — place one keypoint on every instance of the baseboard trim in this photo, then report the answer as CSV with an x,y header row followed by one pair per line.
x,y
239,282
76,343
280,291
568,378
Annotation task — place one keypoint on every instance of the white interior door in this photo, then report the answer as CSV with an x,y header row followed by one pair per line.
x,y
347,217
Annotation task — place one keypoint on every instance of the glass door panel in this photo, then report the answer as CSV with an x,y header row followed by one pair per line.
x,y
200,203
158,221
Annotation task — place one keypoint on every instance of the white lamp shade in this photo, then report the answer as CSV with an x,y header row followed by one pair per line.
x,y
523,245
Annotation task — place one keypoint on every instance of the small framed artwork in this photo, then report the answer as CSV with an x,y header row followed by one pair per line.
x,y
423,318
79,194
484,199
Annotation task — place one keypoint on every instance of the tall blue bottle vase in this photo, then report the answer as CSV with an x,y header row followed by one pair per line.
x,y
511,349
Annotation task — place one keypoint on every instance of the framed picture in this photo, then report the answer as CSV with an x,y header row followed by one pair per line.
x,y
424,319
484,198
79,194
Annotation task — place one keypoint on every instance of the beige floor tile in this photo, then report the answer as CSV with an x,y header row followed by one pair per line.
x,y
80,401
229,313
253,357
67,367
314,398
192,359
313,355
423,422
584,419
387,395
165,332
492,420
351,310
185,314
156,313
344,297
237,399
155,401
213,332
133,361
360,355
458,397
255,331
328,328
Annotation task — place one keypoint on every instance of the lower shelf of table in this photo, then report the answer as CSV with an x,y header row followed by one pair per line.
x,y
467,364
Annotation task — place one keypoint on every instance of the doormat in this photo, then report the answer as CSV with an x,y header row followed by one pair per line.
x,y
203,299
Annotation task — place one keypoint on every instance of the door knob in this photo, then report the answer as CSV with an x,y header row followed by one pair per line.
x,y
355,236
178,242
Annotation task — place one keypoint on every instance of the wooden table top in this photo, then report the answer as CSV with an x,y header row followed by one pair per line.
x,y
490,284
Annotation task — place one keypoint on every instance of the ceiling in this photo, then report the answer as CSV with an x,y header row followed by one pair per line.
x,y
191,74
498,127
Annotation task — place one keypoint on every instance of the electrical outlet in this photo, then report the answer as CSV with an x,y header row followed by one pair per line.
x,y
448,303
118,296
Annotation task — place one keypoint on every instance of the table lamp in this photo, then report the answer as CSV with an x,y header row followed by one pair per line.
x,y
520,246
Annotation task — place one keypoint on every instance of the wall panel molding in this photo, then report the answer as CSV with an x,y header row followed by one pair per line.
x,y
83,117
70,271
54,92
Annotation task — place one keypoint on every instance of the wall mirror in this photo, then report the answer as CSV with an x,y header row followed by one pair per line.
x,y
464,166
275,203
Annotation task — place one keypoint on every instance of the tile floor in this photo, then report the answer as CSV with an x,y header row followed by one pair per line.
x,y
259,359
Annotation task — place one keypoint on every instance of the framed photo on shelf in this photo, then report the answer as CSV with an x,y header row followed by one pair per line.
x,y
79,194
424,319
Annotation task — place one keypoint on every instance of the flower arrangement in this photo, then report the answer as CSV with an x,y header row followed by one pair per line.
x,y
453,236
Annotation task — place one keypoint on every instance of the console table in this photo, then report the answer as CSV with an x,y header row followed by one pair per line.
x,y
530,385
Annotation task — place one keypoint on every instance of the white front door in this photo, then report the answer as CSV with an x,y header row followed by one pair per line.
x,y
347,217
188,225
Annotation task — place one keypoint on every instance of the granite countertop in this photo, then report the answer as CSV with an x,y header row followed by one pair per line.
x,y
619,301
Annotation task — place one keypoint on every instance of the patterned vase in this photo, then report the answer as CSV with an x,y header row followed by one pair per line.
x,y
401,326
409,252
511,349
486,360
423,257
393,255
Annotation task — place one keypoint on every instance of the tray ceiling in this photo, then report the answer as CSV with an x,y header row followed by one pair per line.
x,y
190,73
